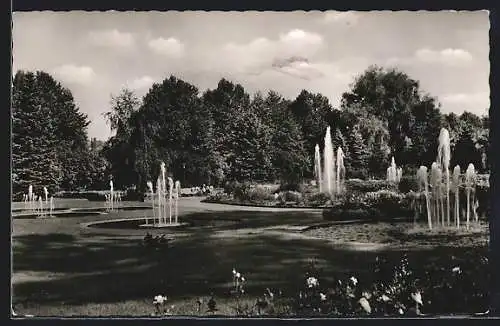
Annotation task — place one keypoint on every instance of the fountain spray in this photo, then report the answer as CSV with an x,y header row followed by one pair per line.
x,y
164,189
111,190
152,194
317,167
51,205
456,190
436,178
329,162
31,197
444,157
170,196
423,184
177,195
340,170
158,192
469,184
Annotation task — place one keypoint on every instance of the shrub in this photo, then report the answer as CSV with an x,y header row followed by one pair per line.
x,y
319,199
258,193
376,205
289,196
407,184
218,197
240,190
357,185
297,187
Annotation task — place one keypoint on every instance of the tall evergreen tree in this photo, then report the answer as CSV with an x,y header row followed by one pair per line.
x,y
358,154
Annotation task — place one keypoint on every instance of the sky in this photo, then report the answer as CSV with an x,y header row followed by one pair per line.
x,y
96,54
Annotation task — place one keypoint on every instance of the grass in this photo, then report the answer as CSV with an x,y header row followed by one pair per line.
x,y
63,269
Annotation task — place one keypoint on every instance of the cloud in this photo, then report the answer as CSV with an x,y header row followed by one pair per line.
x,y
111,38
449,56
261,53
141,83
171,47
479,100
341,17
70,73
297,67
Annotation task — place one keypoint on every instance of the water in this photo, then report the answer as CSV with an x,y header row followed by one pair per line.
x,y
443,159
329,163
340,170
392,171
160,219
456,190
470,175
423,185
317,168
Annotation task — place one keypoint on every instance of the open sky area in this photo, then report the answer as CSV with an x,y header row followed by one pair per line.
x,y
95,54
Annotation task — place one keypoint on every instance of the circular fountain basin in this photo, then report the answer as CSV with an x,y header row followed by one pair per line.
x,y
139,223
162,225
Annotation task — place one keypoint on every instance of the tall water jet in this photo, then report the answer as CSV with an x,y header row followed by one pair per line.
x,y
399,174
340,170
164,189
470,175
177,195
40,206
436,179
111,193
456,191
392,172
170,197
160,202
30,197
46,193
152,195
317,167
423,184
329,163
51,209
444,157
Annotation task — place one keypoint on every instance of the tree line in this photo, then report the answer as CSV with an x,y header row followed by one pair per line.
x,y
226,134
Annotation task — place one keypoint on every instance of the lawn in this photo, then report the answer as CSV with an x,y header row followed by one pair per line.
x,y
62,268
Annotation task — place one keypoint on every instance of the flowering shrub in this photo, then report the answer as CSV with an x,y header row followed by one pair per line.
x,y
318,199
362,186
258,193
397,291
381,204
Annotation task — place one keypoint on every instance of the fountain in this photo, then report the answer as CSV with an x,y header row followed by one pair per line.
x,y
170,197
51,205
329,163
31,198
152,195
456,191
111,193
443,159
423,185
441,185
317,167
340,170
160,219
394,174
399,174
437,202
41,212
470,176
177,194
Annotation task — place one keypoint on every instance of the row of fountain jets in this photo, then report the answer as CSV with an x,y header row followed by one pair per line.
x,y
330,177
160,204
435,188
37,204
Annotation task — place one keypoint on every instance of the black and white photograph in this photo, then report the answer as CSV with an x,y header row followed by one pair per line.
x,y
242,164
